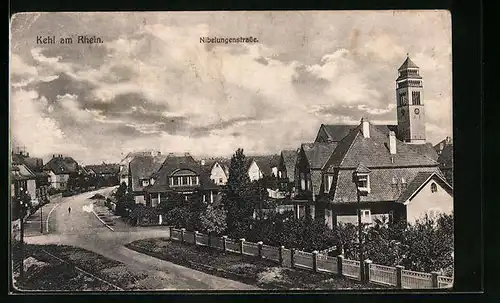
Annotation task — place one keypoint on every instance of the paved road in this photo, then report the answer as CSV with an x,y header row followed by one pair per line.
x,y
82,229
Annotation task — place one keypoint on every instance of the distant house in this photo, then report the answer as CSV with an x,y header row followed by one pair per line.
x,y
35,165
22,179
260,166
182,175
141,169
124,163
444,149
108,174
61,169
218,169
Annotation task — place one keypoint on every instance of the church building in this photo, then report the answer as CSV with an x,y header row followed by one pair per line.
x,y
381,170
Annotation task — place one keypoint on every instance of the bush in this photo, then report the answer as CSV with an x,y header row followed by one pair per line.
x,y
143,214
178,217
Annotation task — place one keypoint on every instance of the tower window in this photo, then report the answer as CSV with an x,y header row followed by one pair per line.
x,y
415,98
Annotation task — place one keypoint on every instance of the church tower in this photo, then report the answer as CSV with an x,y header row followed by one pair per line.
x,y
410,105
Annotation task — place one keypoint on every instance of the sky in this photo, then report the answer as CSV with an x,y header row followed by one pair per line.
x,y
152,85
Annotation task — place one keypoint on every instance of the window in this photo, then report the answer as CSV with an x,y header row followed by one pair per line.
x,y
328,179
434,188
309,182
366,216
415,96
184,180
220,180
363,183
175,181
302,181
402,99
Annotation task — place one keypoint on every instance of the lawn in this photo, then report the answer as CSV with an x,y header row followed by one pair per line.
x,y
49,273
262,273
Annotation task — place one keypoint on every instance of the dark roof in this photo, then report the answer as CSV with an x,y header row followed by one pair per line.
x,y
174,163
425,150
381,184
362,169
61,165
336,132
317,154
265,163
374,151
289,158
110,169
407,64
444,150
143,167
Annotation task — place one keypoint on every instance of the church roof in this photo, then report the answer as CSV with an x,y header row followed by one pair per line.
x,y
408,64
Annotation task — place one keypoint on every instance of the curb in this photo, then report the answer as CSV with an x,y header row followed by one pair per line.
x,y
102,221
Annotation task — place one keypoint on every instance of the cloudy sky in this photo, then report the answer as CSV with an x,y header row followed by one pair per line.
x,y
153,85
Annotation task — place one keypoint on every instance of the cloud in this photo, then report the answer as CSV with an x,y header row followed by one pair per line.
x,y
152,83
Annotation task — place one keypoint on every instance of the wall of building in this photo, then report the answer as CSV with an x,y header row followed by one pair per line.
x,y
254,172
140,199
58,181
426,200
31,187
218,175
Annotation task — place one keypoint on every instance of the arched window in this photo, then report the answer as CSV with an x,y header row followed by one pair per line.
x,y
434,188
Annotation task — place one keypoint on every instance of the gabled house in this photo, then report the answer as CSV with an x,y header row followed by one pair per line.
x,y
35,165
218,169
22,179
444,150
60,170
124,163
141,170
181,175
261,166
107,174
286,169
379,170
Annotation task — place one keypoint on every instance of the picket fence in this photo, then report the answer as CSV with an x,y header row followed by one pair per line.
x,y
373,273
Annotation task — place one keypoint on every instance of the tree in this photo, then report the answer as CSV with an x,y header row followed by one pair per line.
x,y
213,220
178,217
242,196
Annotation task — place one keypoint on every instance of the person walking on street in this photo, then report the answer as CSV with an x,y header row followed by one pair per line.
x,y
69,210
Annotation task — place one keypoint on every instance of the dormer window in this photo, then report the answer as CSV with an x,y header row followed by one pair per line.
x,y
434,188
145,182
363,183
328,180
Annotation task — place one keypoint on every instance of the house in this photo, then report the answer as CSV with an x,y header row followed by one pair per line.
x,y
35,165
181,175
124,163
61,170
286,170
261,166
22,180
107,174
444,149
141,168
380,170
218,169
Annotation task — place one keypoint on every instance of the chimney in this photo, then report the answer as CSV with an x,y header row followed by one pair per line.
x,y
203,162
392,142
366,127
27,155
53,156
448,140
158,153
186,154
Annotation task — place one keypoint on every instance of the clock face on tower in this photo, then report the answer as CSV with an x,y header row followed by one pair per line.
x,y
417,111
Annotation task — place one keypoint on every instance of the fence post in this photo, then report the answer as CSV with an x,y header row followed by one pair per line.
x,y
399,276
170,231
340,258
366,277
242,240
292,257
182,234
315,260
260,243
194,236
281,255
434,278
224,249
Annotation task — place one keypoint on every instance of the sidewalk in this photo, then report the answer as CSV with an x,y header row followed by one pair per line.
x,y
32,223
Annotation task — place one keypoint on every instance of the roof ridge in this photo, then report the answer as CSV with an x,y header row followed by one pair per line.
x,y
356,130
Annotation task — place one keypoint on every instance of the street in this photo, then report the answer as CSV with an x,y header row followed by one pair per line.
x,y
83,229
